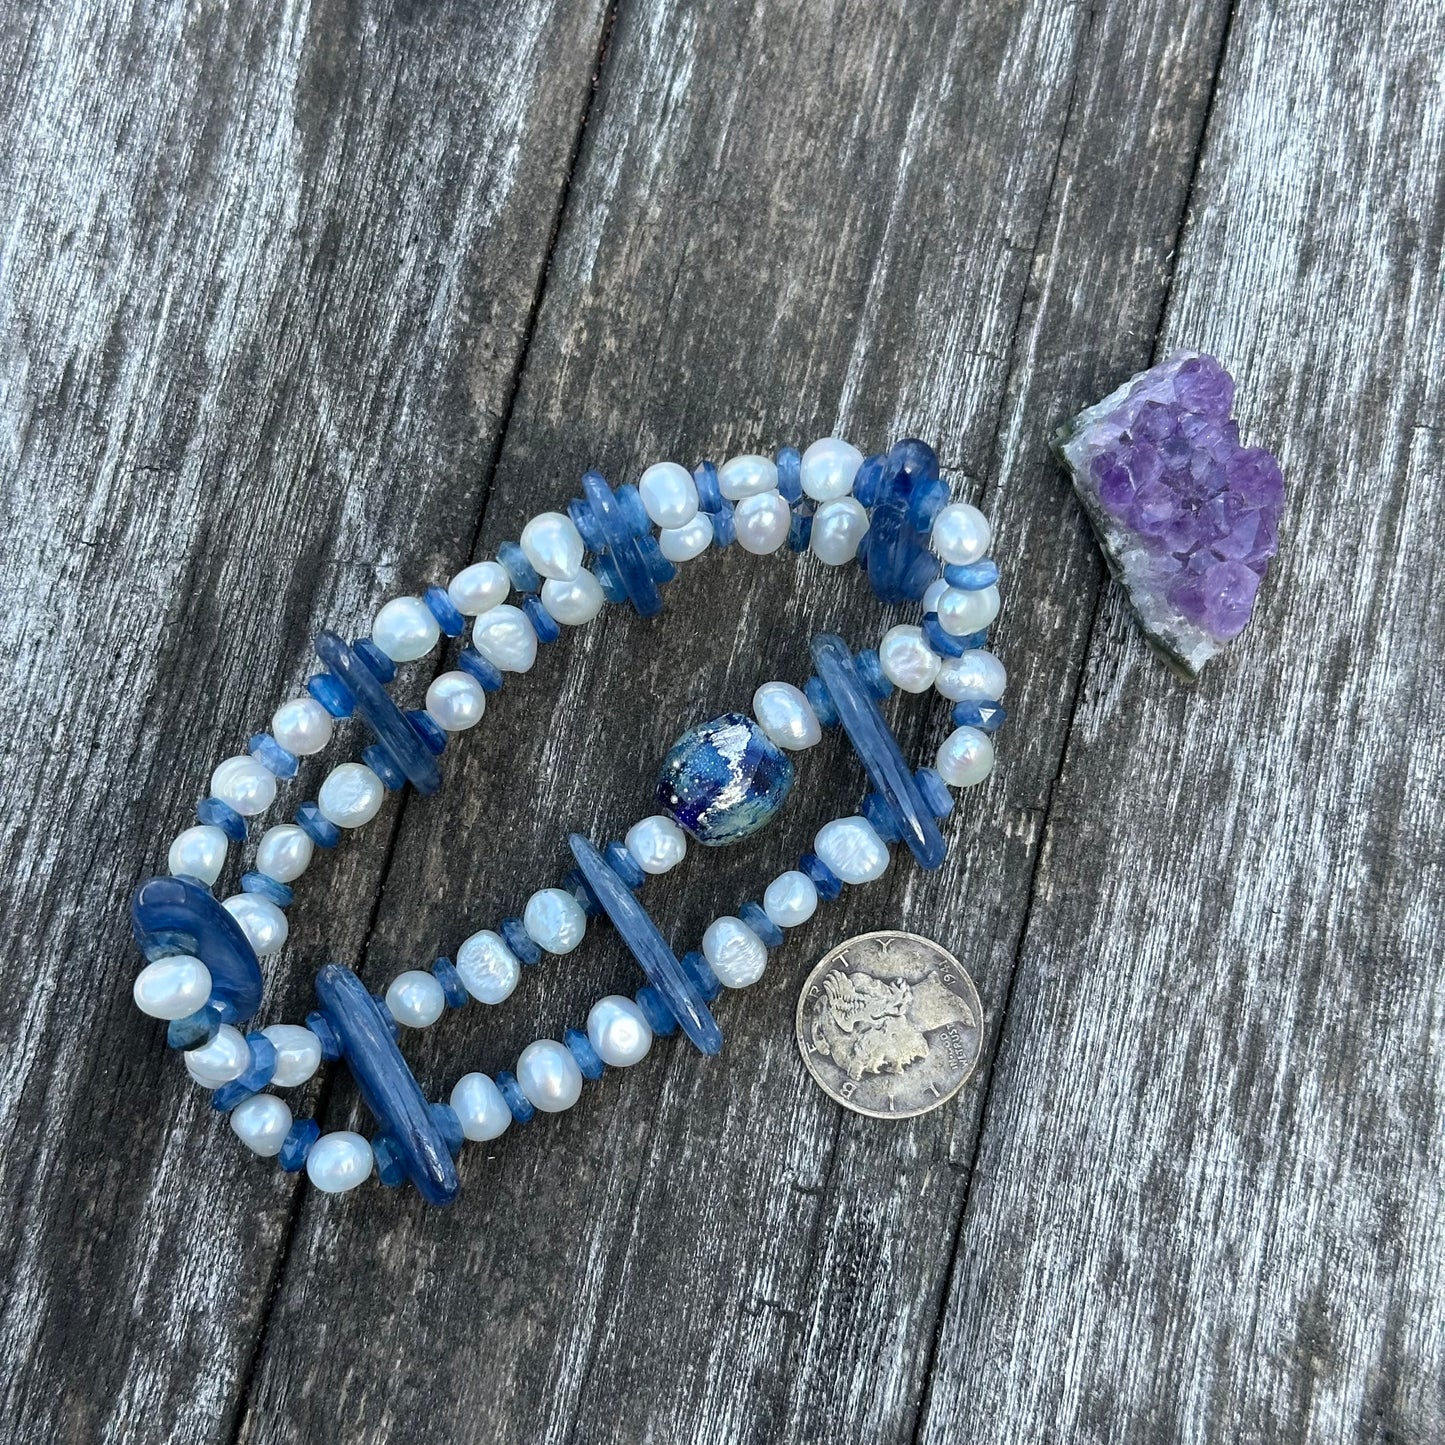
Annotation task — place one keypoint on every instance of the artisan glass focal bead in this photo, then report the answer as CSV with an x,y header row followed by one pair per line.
x,y
724,779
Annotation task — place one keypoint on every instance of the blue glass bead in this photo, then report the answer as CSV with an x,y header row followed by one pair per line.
x,y
302,1134
869,479
655,1010
331,694
724,779
580,1047
196,1030
752,914
916,460
386,1083
174,915
519,941
279,893
661,569
790,473
877,748
724,530
383,669
520,1105
609,579
389,1168
519,569
827,882
576,885
543,623
440,605
881,816
800,531
258,1074
449,1127
709,494
927,501
223,816
429,730
624,865
987,717
629,502
321,830
870,669
475,665
936,795
445,973
384,766
972,576
820,702
272,756
622,547
699,970
584,519
321,1027
943,643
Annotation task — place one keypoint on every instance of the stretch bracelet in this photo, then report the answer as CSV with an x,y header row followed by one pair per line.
x,y
720,782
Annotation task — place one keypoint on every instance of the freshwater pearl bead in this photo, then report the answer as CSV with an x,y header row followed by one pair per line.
x,y
932,593
302,726
960,534
692,539
976,676
480,1107
298,1054
488,969
746,476
505,637
669,494
838,527
479,588
226,1057
785,714
961,613
829,467
284,852
172,988
199,852
736,954
762,521
907,660
261,1123
415,999
554,920
455,701
248,786
618,1031
965,757
549,1076
852,849
790,899
553,545
261,921
350,795
575,601
656,844
338,1162
405,629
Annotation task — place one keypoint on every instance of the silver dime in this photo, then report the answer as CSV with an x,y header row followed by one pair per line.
x,y
890,1025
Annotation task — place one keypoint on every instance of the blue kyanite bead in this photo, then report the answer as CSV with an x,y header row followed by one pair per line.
x,y
381,762
790,472
609,579
278,893
827,882
520,1105
629,502
624,865
588,527
383,669
870,669
223,816
543,623
475,665
899,566
936,796
519,940
331,694
429,730
661,569
519,569
445,973
820,702
699,970
752,914
196,1030
449,1126
927,501
943,643
724,779
257,1075
975,640
321,830
302,1134
451,622
916,460
709,494
271,755
655,1010
877,812
389,1168
988,717
388,1019
800,531
869,479
580,1047
320,1025
622,549
581,890
973,576
724,530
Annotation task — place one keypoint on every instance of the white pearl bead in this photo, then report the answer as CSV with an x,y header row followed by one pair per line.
x,y
829,467
575,601
455,701
350,795
762,522
302,726
479,588
692,539
262,1123
553,545
786,716
554,920
505,637
226,1057
962,612
838,527
488,969
405,629
618,1031
261,921
790,899
960,534
965,757
734,952
669,494
480,1107
746,476
852,849
549,1076
932,593
199,852
976,675
245,784
298,1054
656,844
338,1162
172,988
284,852
907,660
416,999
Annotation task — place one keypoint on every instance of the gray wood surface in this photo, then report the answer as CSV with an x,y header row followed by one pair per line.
x,y
303,305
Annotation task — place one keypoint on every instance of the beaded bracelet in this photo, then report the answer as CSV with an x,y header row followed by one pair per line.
x,y
720,782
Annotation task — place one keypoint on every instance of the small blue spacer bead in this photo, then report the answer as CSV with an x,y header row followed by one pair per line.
x,y
724,532
445,973
660,568
441,606
302,1134
934,791
429,730
520,941
581,890
331,693
987,717
880,815
975,640
624,865
609,579
278,893
654,1008
320,829
588,527
800,531
519,569
449,1127
272,756
543,623
389,1168
868,480
870,669
928,500
475,665
753,915
821,703
196,1030
973,576
790,472
320,1025
699,970
629,502
257,1075
381,762
827,882
520,1105
943,643
709,495
580,1047
381,667
223,816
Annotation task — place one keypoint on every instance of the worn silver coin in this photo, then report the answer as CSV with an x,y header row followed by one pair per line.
x,y
890,1025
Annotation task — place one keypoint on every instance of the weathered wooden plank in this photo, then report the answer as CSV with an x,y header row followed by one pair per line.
x,y
268,270
1208,1199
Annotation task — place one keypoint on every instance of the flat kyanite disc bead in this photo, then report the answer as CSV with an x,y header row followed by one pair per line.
x,y
724,779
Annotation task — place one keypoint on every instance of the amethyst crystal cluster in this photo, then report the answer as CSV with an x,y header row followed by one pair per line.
x,y
1187,517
